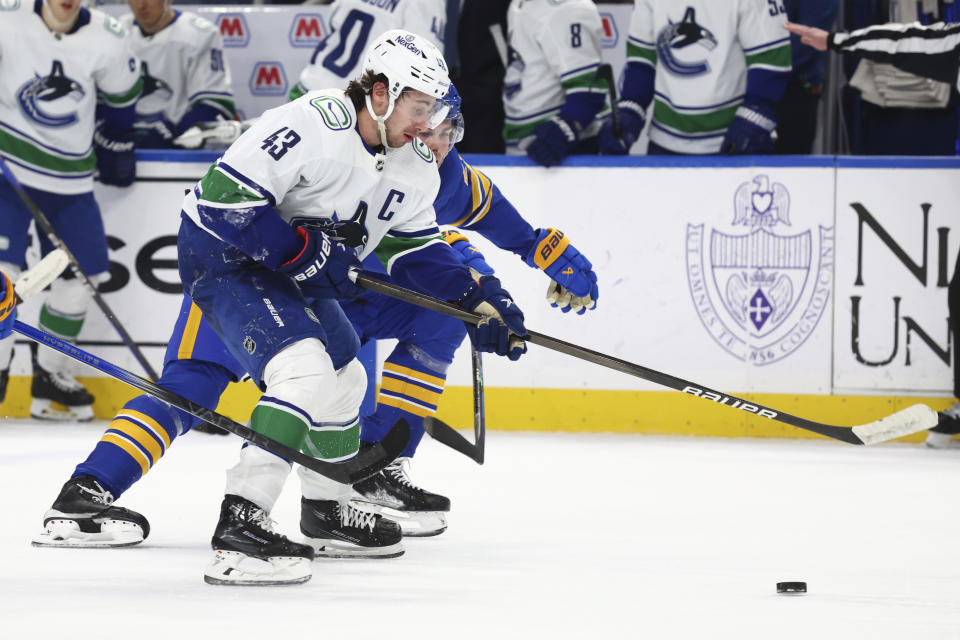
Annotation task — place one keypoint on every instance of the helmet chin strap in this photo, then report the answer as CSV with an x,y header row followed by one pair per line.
x,y
381,121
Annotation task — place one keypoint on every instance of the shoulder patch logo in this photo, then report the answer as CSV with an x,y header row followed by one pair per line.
x,y
201,23
422,150
306,30
233,29
268,79
334,113
113,26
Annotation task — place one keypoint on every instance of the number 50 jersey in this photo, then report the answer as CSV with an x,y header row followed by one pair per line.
x,y
352,24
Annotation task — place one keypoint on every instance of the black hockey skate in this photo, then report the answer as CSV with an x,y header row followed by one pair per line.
x,y
249,552
58,396
948,425
339,530
83,516
391,493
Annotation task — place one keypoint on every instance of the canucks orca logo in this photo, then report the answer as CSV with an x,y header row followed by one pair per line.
x,y
681,35
760,294
42,92
154,85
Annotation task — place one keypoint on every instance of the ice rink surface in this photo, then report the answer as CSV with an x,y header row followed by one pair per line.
x,y
556,536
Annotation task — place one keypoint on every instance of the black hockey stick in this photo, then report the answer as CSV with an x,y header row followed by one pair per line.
x,y
349,471
605,72
445,434
913,419
44,225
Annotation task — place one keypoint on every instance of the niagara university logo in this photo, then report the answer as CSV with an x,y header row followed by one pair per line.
x,y
760,294
676,50
51,100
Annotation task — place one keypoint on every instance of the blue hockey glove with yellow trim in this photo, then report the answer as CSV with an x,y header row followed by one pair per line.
x,y
8,306
574,286
470,254
502,330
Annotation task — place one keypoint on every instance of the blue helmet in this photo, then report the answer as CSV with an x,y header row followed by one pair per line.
x,y
449,110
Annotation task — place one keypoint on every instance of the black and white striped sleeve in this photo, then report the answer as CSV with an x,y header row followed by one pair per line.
x,y
930,51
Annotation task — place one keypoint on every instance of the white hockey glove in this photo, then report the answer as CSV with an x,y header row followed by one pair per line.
x,y
219,133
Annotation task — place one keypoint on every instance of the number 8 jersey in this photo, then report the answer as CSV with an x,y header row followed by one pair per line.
x,y
353,23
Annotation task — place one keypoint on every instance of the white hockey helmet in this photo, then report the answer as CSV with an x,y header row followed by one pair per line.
x,y
408,60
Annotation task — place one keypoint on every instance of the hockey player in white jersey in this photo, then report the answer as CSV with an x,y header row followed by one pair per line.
x,y
58,61
186,79
553,100
714,71
266,241
353,23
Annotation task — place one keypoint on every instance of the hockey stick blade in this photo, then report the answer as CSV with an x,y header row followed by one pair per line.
x,y
447,435
913,419
893,426
41,275
349,471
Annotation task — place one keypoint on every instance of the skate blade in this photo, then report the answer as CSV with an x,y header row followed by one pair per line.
x,y
66,534
327,548
413,524
51,411
232,568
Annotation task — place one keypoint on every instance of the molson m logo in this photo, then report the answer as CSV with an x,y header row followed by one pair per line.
x,y
233,29
760,294
306,30
609,36
268,79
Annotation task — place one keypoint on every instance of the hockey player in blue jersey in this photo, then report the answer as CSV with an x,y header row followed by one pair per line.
x,y
199,367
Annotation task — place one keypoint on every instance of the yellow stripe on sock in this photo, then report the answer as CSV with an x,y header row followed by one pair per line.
x,y
131,450
413,373
411,390
405,405
190,330
140,435
150,422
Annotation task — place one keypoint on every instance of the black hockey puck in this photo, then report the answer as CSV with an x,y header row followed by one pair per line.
x,y
792,587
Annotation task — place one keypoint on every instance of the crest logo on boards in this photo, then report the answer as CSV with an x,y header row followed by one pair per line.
x,y
268,79
609,35
760,294
233,29
307,30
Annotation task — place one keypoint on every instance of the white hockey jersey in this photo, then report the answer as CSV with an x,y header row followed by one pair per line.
x,y
307,160
353,23
49,87
182,64
554,50
702,51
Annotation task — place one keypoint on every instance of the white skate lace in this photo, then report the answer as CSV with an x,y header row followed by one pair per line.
x,y
350,517
400,470
99,494
260,518
65,381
